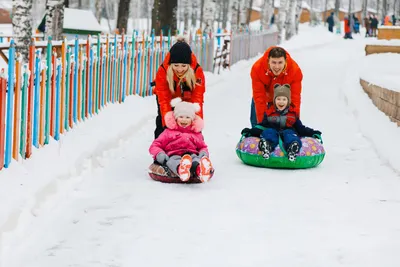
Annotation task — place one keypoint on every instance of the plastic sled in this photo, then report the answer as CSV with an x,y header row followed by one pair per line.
x,y
311,154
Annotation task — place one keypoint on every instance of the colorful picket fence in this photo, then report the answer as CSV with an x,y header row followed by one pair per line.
x,y
65,83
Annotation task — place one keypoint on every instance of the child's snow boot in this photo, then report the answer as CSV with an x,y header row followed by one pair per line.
x,y
265,147
205,169
184,168
292,150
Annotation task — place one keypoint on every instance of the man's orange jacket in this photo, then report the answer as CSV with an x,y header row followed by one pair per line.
x,y
263,81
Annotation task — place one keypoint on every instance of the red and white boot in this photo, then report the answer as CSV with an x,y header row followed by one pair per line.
x,y
184,168
205,169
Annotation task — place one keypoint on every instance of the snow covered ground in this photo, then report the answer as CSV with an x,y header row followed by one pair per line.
x,y
88,200
382,70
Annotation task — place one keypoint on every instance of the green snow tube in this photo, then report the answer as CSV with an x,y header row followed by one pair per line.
x,y
311,154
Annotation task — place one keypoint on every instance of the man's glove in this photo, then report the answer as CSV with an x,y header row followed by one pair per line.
x,y
162,158
251,132
317,134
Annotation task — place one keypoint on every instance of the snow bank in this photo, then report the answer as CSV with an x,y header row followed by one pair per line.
x,y
382,70
374,124
53,170
393,42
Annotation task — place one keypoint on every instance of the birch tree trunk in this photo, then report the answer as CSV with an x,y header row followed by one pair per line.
x,y
99,8
54,19
186,14
201,13
298,14
107,7
194,13
22,26
209,15
59,21
384,8
337,6
291,20
248,12
225,10
379,10
281,20
49,24
266,13
235,14
244,4
325,8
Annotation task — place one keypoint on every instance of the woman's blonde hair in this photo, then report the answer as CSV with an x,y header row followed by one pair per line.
x,y
189,77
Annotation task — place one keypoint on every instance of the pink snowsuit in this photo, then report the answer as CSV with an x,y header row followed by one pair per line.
x,y
178,141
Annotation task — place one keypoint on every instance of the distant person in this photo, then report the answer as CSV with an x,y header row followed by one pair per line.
x,y
331,22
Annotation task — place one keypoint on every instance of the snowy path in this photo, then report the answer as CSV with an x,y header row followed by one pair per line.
x,y
343,213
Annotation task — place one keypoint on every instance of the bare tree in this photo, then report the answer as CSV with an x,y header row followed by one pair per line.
x,y
325,9
379,9
298,14
244,8
201,13
209,15
123,14
54,19
384,8
290,24
99,8
225,10
235,11
186,14
22,26
164,16
283,10
194,13
266,13
107,8
249,11
337,6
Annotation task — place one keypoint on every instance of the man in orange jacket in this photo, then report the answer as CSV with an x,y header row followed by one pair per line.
x,y
274,67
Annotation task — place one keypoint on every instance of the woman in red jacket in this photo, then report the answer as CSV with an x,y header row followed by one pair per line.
x,y
179,76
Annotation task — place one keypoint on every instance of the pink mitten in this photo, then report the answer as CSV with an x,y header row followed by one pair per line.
x,y
170,121
198,124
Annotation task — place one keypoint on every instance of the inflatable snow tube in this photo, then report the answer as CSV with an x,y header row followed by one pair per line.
x,y
311,154
162,174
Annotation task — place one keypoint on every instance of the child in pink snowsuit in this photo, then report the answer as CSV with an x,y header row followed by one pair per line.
x,y
181,146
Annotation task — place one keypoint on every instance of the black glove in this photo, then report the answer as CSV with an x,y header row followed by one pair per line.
x,y
316,132
246,132
251,132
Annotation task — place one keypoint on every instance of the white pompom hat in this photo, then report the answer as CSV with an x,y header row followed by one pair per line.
x,y
182,108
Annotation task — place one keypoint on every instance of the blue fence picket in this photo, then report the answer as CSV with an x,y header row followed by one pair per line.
x,y
57,106
9,108
36,105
